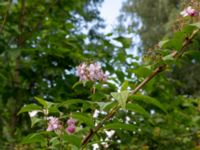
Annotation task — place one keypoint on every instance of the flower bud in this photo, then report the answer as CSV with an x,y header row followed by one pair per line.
x,y
70,129
71,121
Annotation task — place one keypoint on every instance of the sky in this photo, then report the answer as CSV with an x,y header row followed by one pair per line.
x,y
110,10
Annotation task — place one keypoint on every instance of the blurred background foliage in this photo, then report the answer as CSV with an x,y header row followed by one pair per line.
x,y
41,43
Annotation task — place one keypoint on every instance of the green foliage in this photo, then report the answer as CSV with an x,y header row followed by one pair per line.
x,y
121,97
120,126
38,59
29,108
149,100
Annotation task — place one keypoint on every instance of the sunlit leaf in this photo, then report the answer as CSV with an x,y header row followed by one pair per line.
x,y
121,97
29,107
35,120
124,85
163,42
41,101
103,105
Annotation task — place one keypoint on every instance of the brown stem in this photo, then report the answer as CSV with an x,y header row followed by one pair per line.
x,y
16,79
21,24
155,72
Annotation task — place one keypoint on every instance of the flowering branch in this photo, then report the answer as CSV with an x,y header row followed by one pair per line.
x,y
155,72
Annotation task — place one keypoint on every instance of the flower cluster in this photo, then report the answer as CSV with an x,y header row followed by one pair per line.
x,y
90,72
189,11
71,126
54,125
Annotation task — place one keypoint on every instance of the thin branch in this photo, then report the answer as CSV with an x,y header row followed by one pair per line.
x,y
155,72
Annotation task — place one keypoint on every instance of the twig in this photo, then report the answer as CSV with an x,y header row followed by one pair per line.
x,y
156,71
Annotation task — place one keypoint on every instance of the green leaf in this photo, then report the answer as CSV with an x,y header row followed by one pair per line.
x,y
42,102
137,108
33,138
141,71
176,42
35,120
124,86
163,42
197,24
76,84
83,118
55,141
103,105
28,108
75,101
188,29
72,139
149,100
120,126
120,75
121,98
168,57
126,42
193,53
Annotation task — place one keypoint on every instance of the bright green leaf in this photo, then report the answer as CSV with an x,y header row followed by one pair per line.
x,y
161,43
28,108
103,105
41,101
35,120
124,86
168,58
121,97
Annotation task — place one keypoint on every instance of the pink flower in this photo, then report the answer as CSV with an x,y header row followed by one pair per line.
x,y
92,72
70,129
189,11
53,124
71,121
